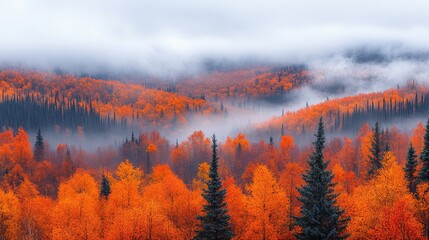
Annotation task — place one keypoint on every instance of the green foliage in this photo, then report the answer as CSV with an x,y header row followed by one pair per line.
x,y
410,169
39,147
215,223
320,217
424,156
105,187
376,156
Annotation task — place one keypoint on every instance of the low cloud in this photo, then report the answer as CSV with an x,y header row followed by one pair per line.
x,y
169,37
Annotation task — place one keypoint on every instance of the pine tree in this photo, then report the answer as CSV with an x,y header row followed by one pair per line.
x,y
320,217
105,187
376,156
410,169
68,166
215,223
424,156
39,147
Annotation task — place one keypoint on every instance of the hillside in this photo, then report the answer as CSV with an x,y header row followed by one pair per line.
x,y
111,99
268,83
349,113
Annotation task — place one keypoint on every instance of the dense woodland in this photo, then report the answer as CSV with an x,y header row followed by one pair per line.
x,y
63,193
33,113
372,184
110,99
349,113
261,83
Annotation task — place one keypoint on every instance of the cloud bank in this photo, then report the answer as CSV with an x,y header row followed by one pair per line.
x,y
173,36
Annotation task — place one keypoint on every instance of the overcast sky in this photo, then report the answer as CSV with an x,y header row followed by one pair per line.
x,y
174,34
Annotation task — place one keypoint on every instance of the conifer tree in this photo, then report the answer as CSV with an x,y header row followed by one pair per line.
x,y
424,156
68,166
410,169
320,218
215,223
105,187
376,155
39,147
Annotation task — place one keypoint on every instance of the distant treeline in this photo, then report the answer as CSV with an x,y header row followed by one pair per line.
x,y
384,110
32,113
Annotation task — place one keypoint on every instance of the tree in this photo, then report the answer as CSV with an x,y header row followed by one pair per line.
x,y
376,154
424,156
417,137
237,207
268,206
176,202
215,223
200,182
372,205
21,150
105,187
10,214
68,167
410,169
39,147
150,149
320,217
76,214
289,180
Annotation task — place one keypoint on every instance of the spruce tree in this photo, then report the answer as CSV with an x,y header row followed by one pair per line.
x,y
410,169
215,223
320,218
105,187
39,147
424,157
376,155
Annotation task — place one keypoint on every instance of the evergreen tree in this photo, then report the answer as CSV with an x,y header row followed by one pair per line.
x,y
215,223
424,157
39,147
410,169
376,155
105,187
68,166
320,217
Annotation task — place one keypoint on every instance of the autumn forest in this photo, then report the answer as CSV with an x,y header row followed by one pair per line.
x,y
214,120
342,162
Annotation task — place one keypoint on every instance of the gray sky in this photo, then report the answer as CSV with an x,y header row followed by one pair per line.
x,y
173,35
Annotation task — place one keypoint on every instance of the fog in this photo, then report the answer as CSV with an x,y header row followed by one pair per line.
x,y
332,77
350,47
169,38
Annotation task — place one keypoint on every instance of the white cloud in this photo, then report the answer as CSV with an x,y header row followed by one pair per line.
x,y
173,34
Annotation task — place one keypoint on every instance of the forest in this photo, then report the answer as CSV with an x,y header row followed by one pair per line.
x,y
375,186
334,170
120,102
214,120
347,114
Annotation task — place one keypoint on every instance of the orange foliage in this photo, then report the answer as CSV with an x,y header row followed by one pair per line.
x,y
294,121
76,215
267,207
417,137
242,83
113,98
176,202
10,213
236,202
370,202
161,205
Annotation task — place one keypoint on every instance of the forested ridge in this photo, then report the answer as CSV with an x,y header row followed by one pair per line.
x,y
258,83
33,113
347,114
110,99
